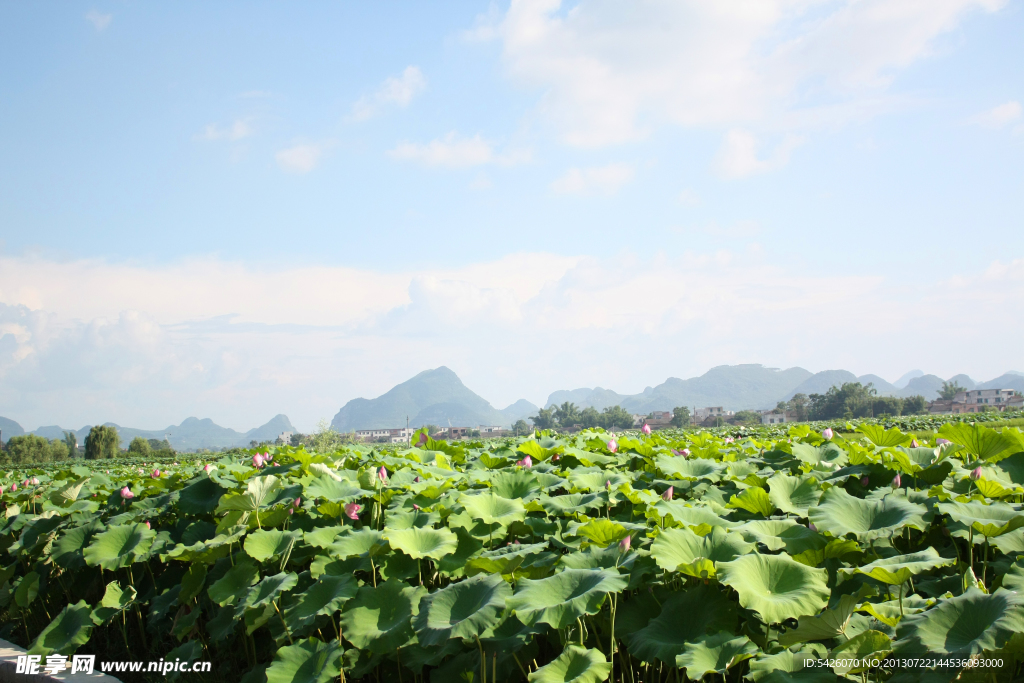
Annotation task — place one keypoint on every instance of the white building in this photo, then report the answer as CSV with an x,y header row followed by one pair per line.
x,y
285,438
770,418
701,414
402,435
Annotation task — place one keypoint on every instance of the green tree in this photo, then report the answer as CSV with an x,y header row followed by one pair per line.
x,y
590,417
139,447
102,442
567,415
680,416
852,399
544,419
326,439
31,448
799,404
71,441
912,405
521,428
886,405
949,390
746,417
616,417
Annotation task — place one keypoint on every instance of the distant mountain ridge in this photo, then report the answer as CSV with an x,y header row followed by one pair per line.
x,y
192,434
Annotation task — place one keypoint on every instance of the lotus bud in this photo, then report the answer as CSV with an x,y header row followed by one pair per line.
x,y
896,481
668,493
827,433
27,482
415,506
607,486
14,487
416,480
127,493
613,445
646,429
526,462
914,444
515,541
383,475
625,543
156,474
352,510
812,527
685,452
291,511
864,481
297,503
35,481
257,461
267,457
208,467
942,442
423,439
976,473
556,457
147,525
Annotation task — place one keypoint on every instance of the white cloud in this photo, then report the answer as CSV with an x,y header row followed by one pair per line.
x,y
688,197
1000,116
453,151
300,158
99,20
611,71
89,341
398,91
238,130
601,179
738,158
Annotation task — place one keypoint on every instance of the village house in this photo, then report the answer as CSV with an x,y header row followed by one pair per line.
x,y
770,417
977,401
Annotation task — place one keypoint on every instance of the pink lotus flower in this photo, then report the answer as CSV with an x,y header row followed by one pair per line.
x,y
625,543
976,473
864,481
352,510
613,445
257,461
526,462
35,481
827,433
669,492
942,442
208,467
14,487
27,482
607,486
685,452
126,493
812,527
423,439
646,429
298,501
416,480
147,525
729,439
914,444
383,474
896,481
267,457
415,506
156,474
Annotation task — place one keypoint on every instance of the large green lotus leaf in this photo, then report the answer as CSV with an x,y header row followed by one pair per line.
x,y
66,633
891,611
28,590
362,543
836,548
691,516
685,617
206,551
200,497
1011,469
323,536
870,645
714,654
418,543
794,495
898,569
411,519
231,587
493,509
68,493
119,546
777,534
326,596
520,484
602,532
689,468
561,599
789,667
258,493
839,513
192,582
67,549
307,661
270,589
1013,579
775,586
989,520
263,544
333,490
681,550
575,665
461,610
572,502
115,600
827,454
879,436
965,625
829,624
597,480
380,619
595,558
978,440
754,500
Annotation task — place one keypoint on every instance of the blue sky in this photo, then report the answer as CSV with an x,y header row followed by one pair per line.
x,y
235,210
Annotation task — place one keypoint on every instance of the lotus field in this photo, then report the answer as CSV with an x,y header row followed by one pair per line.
x,y
638,558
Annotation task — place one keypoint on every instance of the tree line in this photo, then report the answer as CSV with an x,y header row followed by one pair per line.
x,y
102,442
569,416
851,400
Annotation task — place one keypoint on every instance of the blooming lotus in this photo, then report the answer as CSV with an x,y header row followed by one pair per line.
x,y
685,452
208,467
827,433
646,429
257,461
729,439
352,510
613,445
35,481
976,473
896,481
267,457
127,493
156,474
526,462
625,543
669,492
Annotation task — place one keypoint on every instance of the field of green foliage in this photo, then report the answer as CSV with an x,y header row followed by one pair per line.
x,y
783,554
